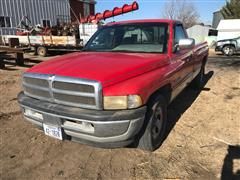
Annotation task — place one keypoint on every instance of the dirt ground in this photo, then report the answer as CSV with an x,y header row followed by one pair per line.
x,y
203,141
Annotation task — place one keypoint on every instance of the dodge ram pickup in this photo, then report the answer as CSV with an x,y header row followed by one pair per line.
x,y
116,91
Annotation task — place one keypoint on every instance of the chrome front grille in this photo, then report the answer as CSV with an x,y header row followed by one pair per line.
x,y
63,90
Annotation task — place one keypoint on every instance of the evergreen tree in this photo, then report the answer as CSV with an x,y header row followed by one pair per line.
x,y
231,10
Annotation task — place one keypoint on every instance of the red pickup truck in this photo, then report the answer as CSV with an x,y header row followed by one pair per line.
x,y
116,91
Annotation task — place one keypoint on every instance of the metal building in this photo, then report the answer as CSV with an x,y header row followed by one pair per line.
x,y
198,32
217,17
202,33
44,12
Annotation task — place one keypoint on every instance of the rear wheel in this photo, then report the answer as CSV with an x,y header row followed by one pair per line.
x,y
228,50
198,81
42,51
155,125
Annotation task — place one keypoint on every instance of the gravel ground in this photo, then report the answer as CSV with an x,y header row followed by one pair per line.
x,y
203,141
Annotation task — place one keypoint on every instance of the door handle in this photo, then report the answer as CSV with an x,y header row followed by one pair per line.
x,y
189,58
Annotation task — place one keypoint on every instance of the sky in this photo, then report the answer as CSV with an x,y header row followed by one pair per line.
x,y
153,8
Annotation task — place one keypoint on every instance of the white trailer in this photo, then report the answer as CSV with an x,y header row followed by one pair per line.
x,y
228,29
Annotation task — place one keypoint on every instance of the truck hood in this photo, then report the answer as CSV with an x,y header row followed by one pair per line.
x,y
106,67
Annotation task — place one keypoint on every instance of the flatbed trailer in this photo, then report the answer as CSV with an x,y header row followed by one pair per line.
x,y
42,44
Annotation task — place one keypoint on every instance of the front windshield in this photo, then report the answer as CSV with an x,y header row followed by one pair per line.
x,y
145,38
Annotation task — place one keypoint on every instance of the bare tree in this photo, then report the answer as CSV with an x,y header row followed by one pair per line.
x,y
182,10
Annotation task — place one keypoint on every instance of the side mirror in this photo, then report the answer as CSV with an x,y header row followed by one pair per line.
x,y
186,43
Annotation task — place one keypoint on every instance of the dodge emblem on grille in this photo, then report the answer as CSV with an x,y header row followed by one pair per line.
x,y
50,81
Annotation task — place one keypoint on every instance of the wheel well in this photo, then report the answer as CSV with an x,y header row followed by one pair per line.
x,y
166,91
229,45
204,61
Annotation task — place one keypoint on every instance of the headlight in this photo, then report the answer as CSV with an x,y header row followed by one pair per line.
x,y
122,102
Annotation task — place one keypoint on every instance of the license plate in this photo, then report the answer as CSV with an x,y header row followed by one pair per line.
x,y
53,131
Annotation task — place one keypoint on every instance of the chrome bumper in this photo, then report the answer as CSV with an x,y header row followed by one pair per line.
x,y
87,126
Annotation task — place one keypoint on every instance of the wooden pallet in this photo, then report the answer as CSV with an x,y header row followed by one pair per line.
x,y
19,57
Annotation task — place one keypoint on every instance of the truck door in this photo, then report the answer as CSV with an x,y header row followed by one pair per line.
x,y
184,60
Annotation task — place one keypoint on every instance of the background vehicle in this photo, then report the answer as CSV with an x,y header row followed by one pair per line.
x,y
116,92
42,43
228,46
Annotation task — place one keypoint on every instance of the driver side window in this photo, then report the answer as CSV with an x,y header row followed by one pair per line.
x,y
179,33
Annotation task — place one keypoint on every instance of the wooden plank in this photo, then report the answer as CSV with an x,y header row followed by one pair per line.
x,y
13,50
3,52
42,40
22,39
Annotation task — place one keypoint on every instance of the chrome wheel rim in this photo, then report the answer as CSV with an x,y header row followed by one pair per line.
x,y
228,51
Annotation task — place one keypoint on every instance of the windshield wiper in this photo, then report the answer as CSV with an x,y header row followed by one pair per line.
x,y
94,50
134,51
86,50
125,51
91,50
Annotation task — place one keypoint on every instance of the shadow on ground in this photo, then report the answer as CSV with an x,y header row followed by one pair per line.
x,y
228,166
224,61
179,106
221,54
183,102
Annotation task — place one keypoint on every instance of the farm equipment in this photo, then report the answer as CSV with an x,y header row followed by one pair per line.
x,y
108,14
64,36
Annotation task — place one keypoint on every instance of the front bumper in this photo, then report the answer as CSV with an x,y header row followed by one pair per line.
x,y
218,48
108,128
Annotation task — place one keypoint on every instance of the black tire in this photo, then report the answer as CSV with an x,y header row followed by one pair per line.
x,y
229,50
198,81
153,132
42,51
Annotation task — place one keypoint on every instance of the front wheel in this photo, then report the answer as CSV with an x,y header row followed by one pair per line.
x,y
228,50
155,125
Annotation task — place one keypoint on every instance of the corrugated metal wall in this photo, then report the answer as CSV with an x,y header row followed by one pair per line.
x,y
217,17
35,10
